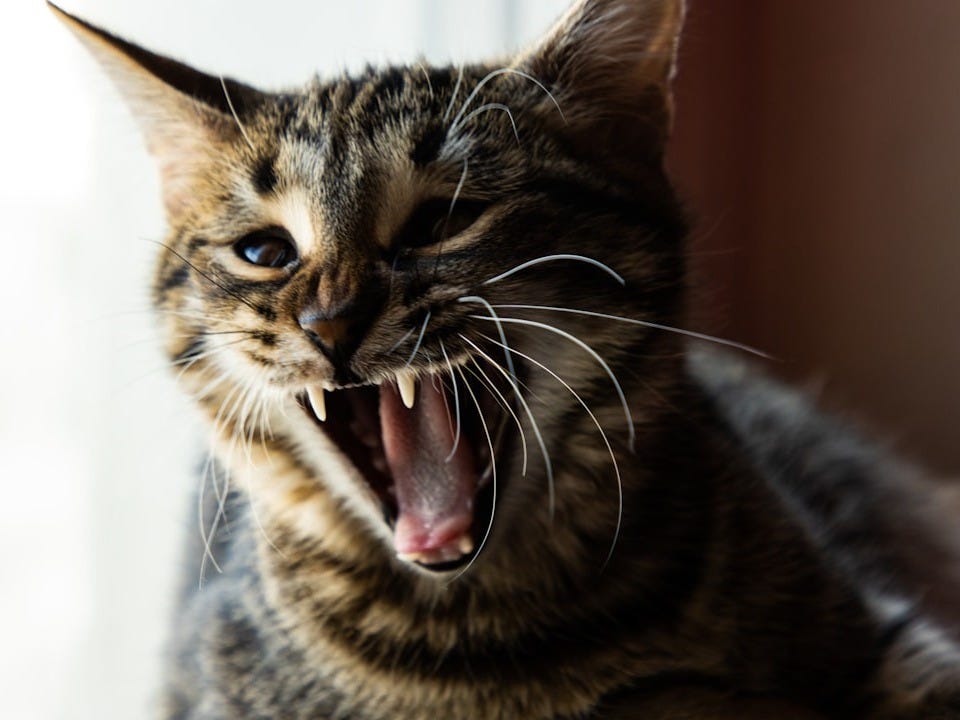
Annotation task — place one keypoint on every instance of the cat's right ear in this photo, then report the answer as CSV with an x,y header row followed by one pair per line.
x,y
184,113
609,65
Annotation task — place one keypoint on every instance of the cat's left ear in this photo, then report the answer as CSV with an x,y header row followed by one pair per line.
x,y
184,113
609,64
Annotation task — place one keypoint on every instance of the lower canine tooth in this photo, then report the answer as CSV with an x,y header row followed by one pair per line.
x,y
318,401
465,545
408,389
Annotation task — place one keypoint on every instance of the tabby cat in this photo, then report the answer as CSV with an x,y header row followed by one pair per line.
x,y
466,465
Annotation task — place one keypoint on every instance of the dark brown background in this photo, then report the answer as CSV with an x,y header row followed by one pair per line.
x,y
818,145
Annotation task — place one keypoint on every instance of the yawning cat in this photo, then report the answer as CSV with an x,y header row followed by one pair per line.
x,y
467,464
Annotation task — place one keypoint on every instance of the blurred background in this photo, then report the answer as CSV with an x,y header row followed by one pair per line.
x,y
817,146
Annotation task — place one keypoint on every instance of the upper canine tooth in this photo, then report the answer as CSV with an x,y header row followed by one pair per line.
x,y
408,389
318,400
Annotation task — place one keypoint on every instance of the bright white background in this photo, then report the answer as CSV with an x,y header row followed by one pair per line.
x,y
96,447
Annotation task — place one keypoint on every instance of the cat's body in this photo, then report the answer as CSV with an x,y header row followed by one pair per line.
x,y
466,466
758,588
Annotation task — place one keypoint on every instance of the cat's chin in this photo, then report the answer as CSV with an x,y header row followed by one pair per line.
x,y
425,449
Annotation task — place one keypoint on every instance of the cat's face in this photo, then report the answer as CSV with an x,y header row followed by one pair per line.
x,y
348,259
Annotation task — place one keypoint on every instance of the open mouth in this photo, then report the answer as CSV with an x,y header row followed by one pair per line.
x,y
423,446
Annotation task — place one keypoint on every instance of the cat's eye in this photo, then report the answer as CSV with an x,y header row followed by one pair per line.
x,y
271,247
434,221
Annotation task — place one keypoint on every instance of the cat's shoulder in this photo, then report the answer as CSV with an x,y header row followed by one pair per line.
x,y
877,516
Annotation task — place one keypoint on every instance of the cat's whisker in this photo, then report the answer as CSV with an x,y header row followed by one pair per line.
x,y
198,316
155,339
593,353
493,461
456,402
236,118
426,76
187,362
552,258
603,435
495,317
533,421
235,439
235,295
419,342
489,384
205,538
212,351
453,96
205,391
453,204
402,340
494,74
655,326
485,108
244,420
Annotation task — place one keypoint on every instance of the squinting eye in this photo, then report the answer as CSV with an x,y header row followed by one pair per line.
x,y
433,221
268,248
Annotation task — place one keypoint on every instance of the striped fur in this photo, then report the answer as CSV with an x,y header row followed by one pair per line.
x,y
762,566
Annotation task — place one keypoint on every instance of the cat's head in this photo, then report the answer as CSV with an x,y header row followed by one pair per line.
x,y
345,250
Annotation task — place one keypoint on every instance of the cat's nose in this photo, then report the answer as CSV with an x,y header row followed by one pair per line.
x,y
338,313
337,330
335,334
327,334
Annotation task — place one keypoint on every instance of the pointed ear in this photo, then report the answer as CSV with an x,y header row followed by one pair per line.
x,y
183,113
610,64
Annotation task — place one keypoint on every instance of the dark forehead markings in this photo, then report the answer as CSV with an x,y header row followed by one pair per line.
x,y
427,147
265,175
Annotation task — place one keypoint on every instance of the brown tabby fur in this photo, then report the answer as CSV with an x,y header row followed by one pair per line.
x,y
763,568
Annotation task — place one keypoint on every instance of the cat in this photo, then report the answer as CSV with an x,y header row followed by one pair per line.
x,y
467,464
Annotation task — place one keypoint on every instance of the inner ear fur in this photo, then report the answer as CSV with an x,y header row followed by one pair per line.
x,y
183,112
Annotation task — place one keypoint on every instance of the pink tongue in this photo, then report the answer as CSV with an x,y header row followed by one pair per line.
x,y
434,496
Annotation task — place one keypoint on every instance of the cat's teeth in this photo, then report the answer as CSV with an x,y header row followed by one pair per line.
x,y
408,389
453,551
318,400
465,545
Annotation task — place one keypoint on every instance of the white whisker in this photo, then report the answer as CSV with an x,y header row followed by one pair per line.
x,y
456,402
488,383
533,421
204,537
416,347
493,461
190,359
645,323
496,73
426,75
603,435
551,258
453,204
236,438
243,131
456,90
593,353
503,336
490,106
402,340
